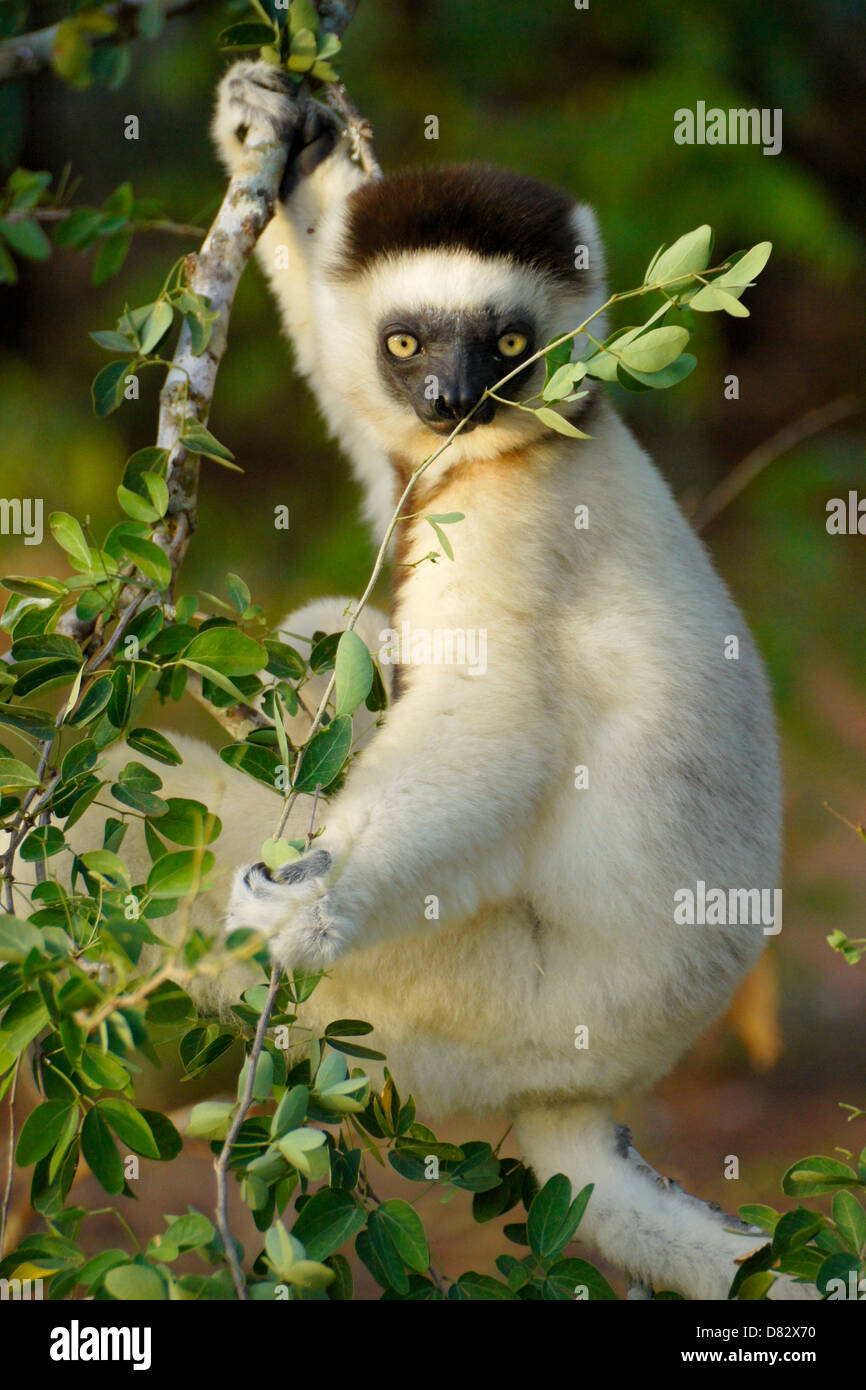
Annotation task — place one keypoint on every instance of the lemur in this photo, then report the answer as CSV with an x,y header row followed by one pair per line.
x,y
405,298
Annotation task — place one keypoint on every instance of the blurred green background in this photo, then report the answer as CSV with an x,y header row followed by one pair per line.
x,y
585,98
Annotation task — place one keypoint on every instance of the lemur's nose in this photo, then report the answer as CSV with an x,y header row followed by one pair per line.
x,y
455,406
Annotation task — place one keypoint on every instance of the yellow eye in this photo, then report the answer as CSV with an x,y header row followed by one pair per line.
x,y
401,344
512,344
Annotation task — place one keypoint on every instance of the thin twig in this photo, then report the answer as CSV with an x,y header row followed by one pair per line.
x,y
238,720
813,422
221,1164
358,129
154,224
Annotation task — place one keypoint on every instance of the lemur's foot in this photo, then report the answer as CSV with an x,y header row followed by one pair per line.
x,y
257,96
291,907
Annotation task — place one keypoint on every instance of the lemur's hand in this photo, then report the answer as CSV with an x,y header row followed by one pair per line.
x,y
291,907
259,96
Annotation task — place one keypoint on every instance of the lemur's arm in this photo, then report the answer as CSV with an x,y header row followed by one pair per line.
x,y
319,175
436,807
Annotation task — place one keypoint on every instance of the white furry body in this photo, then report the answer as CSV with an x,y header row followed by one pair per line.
x,y
606,650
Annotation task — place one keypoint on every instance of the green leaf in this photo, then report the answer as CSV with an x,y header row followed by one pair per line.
x,y
563,380
283,661
671,375
169,1004
303,50
238,592
815,1176
27,239
765,1218
31,587
101,1070
69,535
710,298
23,1021
838,1266
135,1283
135,505
190,1231
323,757
189,823
168,1141
558,422
156,325
305,1149
80,758
406,1230
42,1129
93,702
442,539
157,491
18,939
325,72
745,268
264,1077
388,1266
153,562
198,440
329,1219
570,1275
226,650
654,350
208,673
42,842
180,874
275,853
254,760
106,868
480,1288
16,776
115,342
291,1111
354,672
795,1228
547,1215
851,1221
111,255
210,1120
107,388
690,252
154,745
100,1154
38,723
129,1125
93,1271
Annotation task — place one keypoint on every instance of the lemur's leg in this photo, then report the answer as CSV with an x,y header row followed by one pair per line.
x,y
437,805
320,174
643,1224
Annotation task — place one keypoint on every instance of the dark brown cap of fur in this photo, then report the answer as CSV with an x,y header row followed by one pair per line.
x,y
471,207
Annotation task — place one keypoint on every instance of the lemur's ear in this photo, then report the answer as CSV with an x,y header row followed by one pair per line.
x,y
587,234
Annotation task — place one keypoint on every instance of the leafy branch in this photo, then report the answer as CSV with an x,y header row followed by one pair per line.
x,y
71,48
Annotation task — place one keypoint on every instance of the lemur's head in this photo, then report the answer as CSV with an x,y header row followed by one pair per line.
x,y
441,281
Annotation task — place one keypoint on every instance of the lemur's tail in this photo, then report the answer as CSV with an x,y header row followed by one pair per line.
x,y
643,1224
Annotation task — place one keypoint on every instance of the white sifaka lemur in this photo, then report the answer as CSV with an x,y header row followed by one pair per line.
x,y
608,755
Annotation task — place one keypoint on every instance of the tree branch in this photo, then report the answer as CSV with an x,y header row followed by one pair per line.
x,y
813,422
26,54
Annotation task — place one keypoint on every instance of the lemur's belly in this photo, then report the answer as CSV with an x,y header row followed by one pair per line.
x,y
499,1010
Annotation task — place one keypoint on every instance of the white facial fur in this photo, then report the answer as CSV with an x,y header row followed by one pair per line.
x,y
346,316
